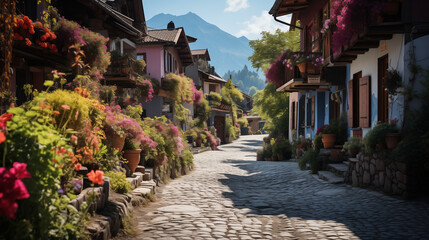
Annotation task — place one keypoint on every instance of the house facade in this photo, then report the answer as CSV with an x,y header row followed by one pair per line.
x,y
352,81
165,51
122,22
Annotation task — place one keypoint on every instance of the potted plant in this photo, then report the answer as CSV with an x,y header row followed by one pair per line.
x,y
282,148
353,146
115,132
132,153
392,81
309,64
392,136
328,137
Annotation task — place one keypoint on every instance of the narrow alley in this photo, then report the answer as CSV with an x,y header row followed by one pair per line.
x,y
229,195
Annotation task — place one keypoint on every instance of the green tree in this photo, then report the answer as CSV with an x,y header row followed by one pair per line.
x,y
247,78
270,46
252,91
273,107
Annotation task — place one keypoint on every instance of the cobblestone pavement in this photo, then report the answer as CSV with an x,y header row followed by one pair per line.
x,y
231,196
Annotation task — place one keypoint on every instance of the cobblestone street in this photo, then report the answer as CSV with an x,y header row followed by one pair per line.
x,y
230,195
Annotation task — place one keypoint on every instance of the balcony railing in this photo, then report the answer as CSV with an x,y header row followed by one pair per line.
x,y
124,70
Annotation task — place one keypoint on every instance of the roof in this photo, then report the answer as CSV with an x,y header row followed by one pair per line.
x,y
123,21
173,37
162,36
201,52
285,7
212,78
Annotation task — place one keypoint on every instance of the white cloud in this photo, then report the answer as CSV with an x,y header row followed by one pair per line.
x,y
264,22
235,5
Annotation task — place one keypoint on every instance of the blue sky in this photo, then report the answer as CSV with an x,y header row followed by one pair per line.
x,y
237,17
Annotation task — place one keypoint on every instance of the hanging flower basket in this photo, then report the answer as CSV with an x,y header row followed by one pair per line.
x,y
308,68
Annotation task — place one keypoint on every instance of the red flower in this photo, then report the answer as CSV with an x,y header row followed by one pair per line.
x,y
96,177
77,166
2,137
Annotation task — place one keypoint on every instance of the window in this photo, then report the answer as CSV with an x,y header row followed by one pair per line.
x,y
143,56
353,113
168,62
212,88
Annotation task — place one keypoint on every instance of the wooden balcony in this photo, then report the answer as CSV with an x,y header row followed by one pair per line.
x,y
388,23
304,77
123,72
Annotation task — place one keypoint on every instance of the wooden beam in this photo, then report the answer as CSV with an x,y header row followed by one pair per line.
x,y
377,37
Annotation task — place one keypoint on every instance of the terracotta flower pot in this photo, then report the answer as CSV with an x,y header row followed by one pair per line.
x,y
392,140
116,141
328,140
133,158
307,68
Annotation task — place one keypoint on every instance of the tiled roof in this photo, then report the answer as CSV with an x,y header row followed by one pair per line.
x,y
201,52
162,36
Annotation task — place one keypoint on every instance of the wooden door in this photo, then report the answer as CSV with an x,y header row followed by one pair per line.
x,y
219,124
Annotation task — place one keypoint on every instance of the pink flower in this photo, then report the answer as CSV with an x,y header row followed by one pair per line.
x,y
12,188
66,107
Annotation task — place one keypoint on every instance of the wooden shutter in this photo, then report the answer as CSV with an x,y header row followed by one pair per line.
x,y
364,102
313,110
350,110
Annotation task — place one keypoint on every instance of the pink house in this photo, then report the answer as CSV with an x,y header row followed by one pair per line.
x,y
165,51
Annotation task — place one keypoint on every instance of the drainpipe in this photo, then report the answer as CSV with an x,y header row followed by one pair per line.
x,y
285,23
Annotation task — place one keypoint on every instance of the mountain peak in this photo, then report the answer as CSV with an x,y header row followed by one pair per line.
x,y
226,51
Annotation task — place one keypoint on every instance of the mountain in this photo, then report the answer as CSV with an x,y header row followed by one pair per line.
x,y
245,79
227,52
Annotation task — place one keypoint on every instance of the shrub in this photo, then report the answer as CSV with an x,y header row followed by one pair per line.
x,y
30,139
118,182
216,98
310,157
375,139
318,144
282,146
243,122
354,145
302,164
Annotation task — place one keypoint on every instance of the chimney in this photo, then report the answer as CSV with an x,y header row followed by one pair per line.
x,y
170,25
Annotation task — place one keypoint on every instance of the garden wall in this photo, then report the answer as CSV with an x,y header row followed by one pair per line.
x,y
377,173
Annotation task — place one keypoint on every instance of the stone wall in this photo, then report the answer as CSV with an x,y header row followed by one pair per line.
x,y
379,174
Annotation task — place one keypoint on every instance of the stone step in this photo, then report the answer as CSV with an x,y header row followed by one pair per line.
x,y
330,177
135,179
346,163
149,184
338,169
